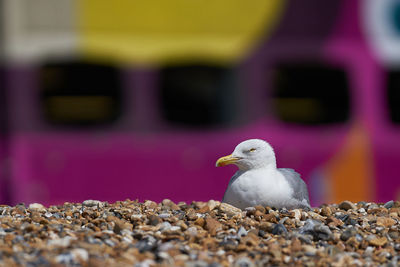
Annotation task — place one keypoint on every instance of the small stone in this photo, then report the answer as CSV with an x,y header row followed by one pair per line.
x,y
326,211
394,234
196,264
296,214
271,217
37,207
150,204
60,242
352,241
378,242
212,226
165,226
296,245
212,204
349,232
368,252
279,229
315,216
167,202
200,222
316,229
309,250
154,220
260,208
250,211
266,226
192,231
147,244
229,244
389,204
244,262
250,240
385,221
242,232
347,205
164,215
334,222
93,203
80,254
229,209
65,258
204,209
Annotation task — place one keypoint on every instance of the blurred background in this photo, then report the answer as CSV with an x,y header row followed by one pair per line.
x,y
138,99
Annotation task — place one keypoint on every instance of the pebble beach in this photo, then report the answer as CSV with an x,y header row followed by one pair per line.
x,y
131,233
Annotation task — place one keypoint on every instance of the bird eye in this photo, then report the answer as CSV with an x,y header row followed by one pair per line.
x,y
252,150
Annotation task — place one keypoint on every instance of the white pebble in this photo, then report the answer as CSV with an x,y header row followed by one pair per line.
x,y
80,254
37,206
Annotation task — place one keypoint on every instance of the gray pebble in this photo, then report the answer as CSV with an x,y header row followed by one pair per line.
x,y
279,229
40,261
164,215
389,204
349,232
305,239
165,226
196,264
244,262
242,231
359,237
109,242
149,243
214,264
316,229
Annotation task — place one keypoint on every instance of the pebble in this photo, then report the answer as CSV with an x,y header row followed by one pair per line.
x,y
349,232
385,221
347,205
244,262
316,229
378,241
164,215
279,229
241,232
93,203
36,206
389,204
213,234
229,209
80,254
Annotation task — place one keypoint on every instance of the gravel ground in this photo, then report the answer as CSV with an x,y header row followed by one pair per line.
x,y
130,233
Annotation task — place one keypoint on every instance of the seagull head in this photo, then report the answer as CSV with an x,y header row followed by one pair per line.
x,y
250,154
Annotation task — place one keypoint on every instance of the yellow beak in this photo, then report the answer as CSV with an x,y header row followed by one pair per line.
x,y
226,161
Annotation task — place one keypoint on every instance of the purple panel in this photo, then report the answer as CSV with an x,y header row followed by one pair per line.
x,y
4,193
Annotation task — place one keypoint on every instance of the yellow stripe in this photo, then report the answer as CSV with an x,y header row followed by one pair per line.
x,y
160,31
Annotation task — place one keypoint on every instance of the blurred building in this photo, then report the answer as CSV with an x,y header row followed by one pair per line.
x,y
138,100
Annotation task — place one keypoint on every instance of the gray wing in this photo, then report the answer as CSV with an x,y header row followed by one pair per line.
x,y
300,191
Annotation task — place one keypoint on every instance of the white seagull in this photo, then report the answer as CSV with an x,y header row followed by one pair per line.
x,y
259,182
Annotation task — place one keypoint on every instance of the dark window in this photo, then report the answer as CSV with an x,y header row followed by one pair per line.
x,y
310,94
196,95
393,85
80,94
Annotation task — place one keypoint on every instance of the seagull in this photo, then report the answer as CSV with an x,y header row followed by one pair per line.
x,y
259,182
